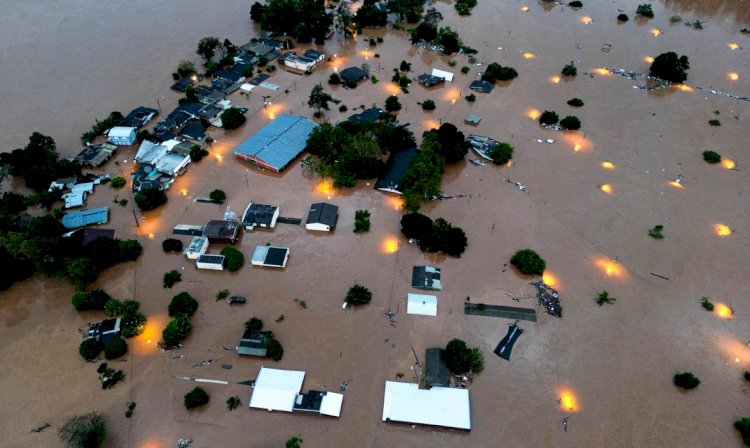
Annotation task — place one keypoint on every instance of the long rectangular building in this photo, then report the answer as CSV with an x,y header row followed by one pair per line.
x,y
439,406
276,145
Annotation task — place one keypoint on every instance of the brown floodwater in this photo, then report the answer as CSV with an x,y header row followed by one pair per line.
x,y
609,368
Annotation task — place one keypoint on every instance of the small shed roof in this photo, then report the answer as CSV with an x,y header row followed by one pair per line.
x,y
482,86
426,277
505,346
270,256
211,259
472,119
353,74
440,406
259,214
121,132
422,304
276,389
448,76
398,163
323,213
253,343
80,218
278,143
219,229
436,371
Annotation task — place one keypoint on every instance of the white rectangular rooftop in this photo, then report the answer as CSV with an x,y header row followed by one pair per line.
x,y
447,76
331,404
276,390
440,406
422,304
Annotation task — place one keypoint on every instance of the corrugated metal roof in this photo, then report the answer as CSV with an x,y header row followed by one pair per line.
x,y
82,218
279,142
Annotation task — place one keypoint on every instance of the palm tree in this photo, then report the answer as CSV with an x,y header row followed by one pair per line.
x,y
604,298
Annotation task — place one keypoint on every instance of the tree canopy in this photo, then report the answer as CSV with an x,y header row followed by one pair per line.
x,y
38,163
150,198
196,398
177,330
183,303
434,236
528,262
461,359
319,98
303,19
358,295
447,141
670,67
207,47
84,431
501,153
232,118
369,16
496,72
233,258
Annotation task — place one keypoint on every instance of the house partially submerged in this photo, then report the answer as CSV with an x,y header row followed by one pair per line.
x,y
208,94
481,86
426,277
197,247
147,176
277,144
448,407
253,343
482,145
398,163
322,217
505,347
105,331
194,129
182,83
222,231
76,197
121,135
95,155
80,218
436,371
279,390
140,116
472,119
370,115
87,235
227,81
270,256
430,80
260,215
421,304
213,262
447,76
297,64
353,75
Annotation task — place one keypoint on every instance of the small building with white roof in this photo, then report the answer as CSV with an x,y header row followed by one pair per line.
x,y
197,247
121,135
421,304
270,256
279,390
448,407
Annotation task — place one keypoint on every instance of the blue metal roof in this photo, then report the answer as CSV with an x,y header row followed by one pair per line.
x,y
279,142
82,218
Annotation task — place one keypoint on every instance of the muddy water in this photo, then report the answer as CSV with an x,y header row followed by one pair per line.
x,y
616,361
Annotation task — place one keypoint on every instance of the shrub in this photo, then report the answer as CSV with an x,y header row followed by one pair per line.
x,y
743,426
623,18
471,98
569,70
171,245
129,412
714,122
465,69
143,134
150,198
232,118
571,123
117,182
392,104
185,68
197,153
603,297
218,196
274,350
361,221
428,105
575,102
176,330
416,226
182,303
233,403
528,262
196,398
656,232
645,10
686,380
358,295
343,108
404,66
254,324
374,79
671,67
706,304
84,431
294,442
575,4
496,72
90,349
233,258
675,19
501,153
461,359
222,295
334,79
170,278
549,117
115,348
92,300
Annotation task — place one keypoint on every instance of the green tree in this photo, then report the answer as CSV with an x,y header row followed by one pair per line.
x,y
334,79
571,123
428,105
344,20
549,117
656,232
501,153
90,349
603,297
358,295
392,104
274,350
117,182
233,403
528,262
416,226
207,47
81,271
670,67
84,431
170,278
447,141
233,258
294,442
185,68
461,359
218,196
115,348
711,156
254,324
645,10
183,303
449,40
92,300
361,221
569,70
150,198
256,12
232,118
197,153
575,102
176,330
496,72
369,16
686,380
196,398
171,245
319,98
743,426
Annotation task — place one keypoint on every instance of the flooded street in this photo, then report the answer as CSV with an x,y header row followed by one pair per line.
x,y
63,64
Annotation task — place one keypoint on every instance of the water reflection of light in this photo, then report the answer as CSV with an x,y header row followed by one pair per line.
x,y
733,46
509,164
568,401
577,147
219,158
452,95
533,114
183,191
529,55
656,32
146,341
396,202
549,279
151,236
722,230
324,188
609,267
685,88
607,188
728,164
723,311
431,124
390,245
734,76
608,165
391,88
555,80
586,20
525,9
602,71
675,184
648,59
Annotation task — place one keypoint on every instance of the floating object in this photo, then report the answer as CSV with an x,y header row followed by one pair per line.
x,y
505,346
660,276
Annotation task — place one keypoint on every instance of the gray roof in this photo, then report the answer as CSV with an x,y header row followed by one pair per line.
x,y
436,372
482,86
323,213
426,277
276,256
278,143
259,214
429,80
82,218
221,230
398,163
353,74
95,155
253,343
212,258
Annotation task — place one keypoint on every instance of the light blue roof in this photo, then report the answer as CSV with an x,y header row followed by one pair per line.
x,y
82,218
278,143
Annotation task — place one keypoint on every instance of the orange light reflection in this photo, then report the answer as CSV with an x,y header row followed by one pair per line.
x,y
586,20
685,88
396,202
602,71
555,80
390,245
610,268
525,9
533,114
728,164
145,343
324,188
722,230
431,124
608,165
529,55
733,46
549,279
676,184
656,32
648,59
568,401
733,76
723,311
607,188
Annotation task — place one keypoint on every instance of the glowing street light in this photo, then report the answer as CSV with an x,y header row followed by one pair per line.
x,y
529,55
733,76
722,230
555,80
586,20
525,9
607,188
728,164
733,46
608,165
656,32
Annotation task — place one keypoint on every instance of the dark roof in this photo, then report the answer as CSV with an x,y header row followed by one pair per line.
x,y
429,80
505,347
182,84
436,372
370,115
239,68
139,116
482,86
182,148
203,90
276,256
259,79
163,135
271,42
194,130
311,401
87,235
95,155
211,258
253,343
398,163
221,230
426,277
353,74
323,213
190,108
210,95
313,54
259,214
210,112
229,76
147,176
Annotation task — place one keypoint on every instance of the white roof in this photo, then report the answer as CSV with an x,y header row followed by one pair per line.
x,y
171,143
421,304
121,131
247,87
440,406
171,163
150,152
276,389
331,404
448,76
